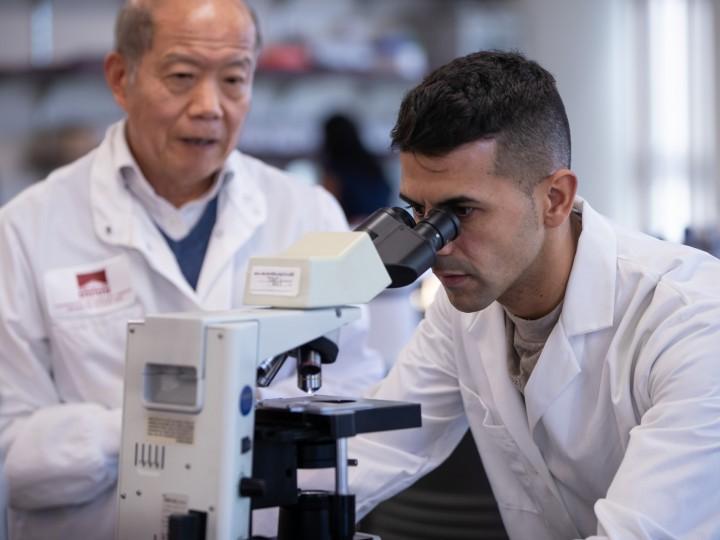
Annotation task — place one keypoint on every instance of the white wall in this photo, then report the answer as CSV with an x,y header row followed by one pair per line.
x,y
582,44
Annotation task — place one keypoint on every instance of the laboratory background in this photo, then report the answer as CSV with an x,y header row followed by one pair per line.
x,y
640,80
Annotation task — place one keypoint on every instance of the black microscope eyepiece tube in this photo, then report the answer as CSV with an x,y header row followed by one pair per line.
x,y
408,249
401,215
385,219
440,227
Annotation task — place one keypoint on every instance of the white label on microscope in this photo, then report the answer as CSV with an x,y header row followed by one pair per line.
x,y
275,280
171,430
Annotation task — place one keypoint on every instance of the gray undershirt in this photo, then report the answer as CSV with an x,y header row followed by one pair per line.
x,y
526,339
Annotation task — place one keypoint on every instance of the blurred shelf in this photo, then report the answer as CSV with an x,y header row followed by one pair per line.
x,y
84,66
380,75
277,156
94,66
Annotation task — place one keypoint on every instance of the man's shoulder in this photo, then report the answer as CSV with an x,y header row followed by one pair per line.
x,y
687,271
63,188
288,198
269,178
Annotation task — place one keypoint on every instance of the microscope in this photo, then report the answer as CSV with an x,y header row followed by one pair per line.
x,y
198,454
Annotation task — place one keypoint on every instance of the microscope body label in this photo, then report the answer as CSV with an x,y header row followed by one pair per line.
x,y
171,429
275,280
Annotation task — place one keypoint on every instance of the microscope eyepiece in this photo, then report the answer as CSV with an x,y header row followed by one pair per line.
x,y
439,227
401,215
408,249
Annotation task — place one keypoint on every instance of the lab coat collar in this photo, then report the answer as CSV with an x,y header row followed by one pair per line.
x,y
120,219
174,222
245,195
589,302
551,376
133,179
114,210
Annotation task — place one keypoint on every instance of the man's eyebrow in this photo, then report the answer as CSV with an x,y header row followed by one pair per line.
x,y
173,58
452,201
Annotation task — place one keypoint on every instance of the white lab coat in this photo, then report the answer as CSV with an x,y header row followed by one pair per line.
x,y
619,433
62,335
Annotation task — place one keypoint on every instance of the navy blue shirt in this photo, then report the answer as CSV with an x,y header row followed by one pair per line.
x,y
190,251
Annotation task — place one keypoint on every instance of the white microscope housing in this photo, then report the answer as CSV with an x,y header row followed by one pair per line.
x,y
189,412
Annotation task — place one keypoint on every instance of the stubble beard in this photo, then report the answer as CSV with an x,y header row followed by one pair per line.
x,y
474,296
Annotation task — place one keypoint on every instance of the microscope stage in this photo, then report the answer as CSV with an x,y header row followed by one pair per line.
x,y
342,416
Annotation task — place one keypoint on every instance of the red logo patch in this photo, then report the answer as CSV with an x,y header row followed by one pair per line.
x,y
93,283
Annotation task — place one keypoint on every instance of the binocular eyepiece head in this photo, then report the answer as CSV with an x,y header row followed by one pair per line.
x,y
406,248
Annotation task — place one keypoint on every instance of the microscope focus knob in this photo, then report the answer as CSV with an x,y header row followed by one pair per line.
x,y
251,487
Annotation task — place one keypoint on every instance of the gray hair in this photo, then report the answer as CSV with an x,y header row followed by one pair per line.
x,y
135,28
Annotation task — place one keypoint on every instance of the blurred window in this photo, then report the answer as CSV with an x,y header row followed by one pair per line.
x,y
680,119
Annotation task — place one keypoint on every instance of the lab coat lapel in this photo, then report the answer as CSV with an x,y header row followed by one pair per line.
x,y
489,330
554,372
588,307
589,303
242,209
119,219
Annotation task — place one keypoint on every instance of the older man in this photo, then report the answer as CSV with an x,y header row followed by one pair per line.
x,y
162,216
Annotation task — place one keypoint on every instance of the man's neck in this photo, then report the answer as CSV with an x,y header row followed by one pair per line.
x,y
178,194
543,286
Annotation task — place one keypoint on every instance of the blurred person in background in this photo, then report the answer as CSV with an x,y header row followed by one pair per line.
x,y
355,176
162,216
350,171
51,148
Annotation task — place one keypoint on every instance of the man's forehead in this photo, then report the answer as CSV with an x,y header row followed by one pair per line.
x,y
154,4
174,11
466,174
442,174
199,9
204,22
481,150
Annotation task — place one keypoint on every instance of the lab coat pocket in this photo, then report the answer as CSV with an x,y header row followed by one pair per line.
x,y
89,354
505,464
93,288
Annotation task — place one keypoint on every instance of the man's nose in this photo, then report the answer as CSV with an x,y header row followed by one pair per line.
x,y
206,100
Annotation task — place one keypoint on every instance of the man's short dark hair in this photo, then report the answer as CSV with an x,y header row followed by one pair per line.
x,y
489,95
134,31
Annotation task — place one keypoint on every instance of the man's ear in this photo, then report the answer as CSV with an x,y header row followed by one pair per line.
x,y
558,192
117,76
